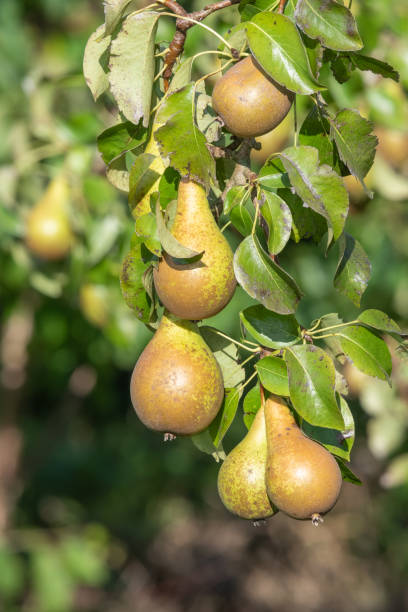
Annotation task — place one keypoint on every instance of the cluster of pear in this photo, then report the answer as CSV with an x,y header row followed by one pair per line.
x,y
177,385
276,467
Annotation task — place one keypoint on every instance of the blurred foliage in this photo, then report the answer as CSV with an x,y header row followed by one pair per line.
x,y
85,490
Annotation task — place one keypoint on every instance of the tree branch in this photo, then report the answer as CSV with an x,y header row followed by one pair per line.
x,y
176,46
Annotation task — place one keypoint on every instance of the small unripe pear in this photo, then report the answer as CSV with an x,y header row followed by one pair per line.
x,y
302,477
200,289
241,479
248,101
177,384
48,232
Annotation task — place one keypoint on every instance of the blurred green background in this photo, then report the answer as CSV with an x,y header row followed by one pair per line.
x,y
96,512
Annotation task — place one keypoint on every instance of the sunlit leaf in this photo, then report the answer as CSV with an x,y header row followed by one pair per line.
x,y
330,22
95,67
278,47
263,279
318,186
311,384
132,66
181,141
379,320
273,375
278,218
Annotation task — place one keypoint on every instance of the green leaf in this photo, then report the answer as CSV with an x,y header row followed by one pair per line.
x,y
146,228
318,186
330,22
95,67
132,66
242,217
53,586
340,65
368,352
269,328
226,415
205,443
226,354
272,175
315,132
236,37
168,187
170,244
333,342
235,196
102,235
182,75
263,279
337,442
181,141
278,218
250,8
120,139
306,224
353,270
251,405
131,282
141,179
117,173
12,572
363,62
278,47
273,375
114,10
311,384
355,142
83,559
347,474
379,320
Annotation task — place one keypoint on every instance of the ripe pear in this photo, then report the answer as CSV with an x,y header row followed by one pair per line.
x,y
241,479
177,385
248,101
302,477
196,290
48,231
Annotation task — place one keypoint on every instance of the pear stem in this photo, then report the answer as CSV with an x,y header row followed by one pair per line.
x,y
242,387
315,326
295,124
311,332
224,227
247,359
251,350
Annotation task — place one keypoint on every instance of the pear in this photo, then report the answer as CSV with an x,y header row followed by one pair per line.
x,y
177,385
302,477
196,290
48,233
241,479
248,101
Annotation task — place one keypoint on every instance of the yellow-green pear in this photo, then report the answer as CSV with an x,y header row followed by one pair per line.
x,y
196,290
48,232
177,385
302,478
241,479
248,101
